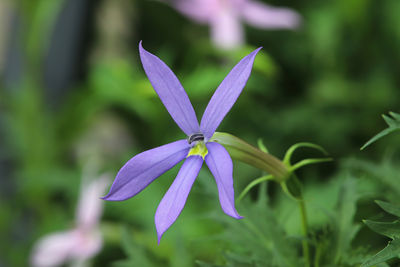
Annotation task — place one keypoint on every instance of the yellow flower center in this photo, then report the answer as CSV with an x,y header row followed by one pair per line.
x,y
198,149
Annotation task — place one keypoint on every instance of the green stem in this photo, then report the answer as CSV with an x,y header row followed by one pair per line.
x,y
304,227
317,256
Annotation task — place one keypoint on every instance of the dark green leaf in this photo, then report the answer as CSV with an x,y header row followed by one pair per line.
x,y
389,229
392,250
389,208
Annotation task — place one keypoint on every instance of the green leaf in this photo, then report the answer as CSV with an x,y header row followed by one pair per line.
x,y
306,162
261,146
389,229
395,116
294,147
390,251
258,239
254,183
389,208
394,124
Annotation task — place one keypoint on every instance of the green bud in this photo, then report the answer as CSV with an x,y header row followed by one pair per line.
x,y
240,150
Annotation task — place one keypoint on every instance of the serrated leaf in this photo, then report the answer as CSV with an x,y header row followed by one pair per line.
x,y
266,243
392,250
389,208
389,229
393,123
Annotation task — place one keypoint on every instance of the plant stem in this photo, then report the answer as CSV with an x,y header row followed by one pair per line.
x,y
317,256
304,226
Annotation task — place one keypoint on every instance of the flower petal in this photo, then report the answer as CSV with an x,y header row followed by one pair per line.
x,y
174,200
170,91
264,16
143,168
220,164
54,249
200,11
90,207
226,28
226,94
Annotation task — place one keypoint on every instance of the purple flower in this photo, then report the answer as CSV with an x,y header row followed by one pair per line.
x,y
225,18
142,169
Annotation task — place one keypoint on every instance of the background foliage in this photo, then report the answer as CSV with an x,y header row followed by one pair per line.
x,y
77,94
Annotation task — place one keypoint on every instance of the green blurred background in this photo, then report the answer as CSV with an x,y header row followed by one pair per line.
x,y
73,93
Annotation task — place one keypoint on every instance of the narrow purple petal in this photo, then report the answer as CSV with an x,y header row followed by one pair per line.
x,y
170,91
226,94
220,164
264,16
174,200
143,168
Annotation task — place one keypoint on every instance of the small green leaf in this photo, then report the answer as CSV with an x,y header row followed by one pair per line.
x,y
379,136
389,208
261,146
392,250
294,147
394,124
306,162
254,183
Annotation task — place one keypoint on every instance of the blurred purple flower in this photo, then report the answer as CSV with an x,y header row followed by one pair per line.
x,y
225,18
82,242
145,167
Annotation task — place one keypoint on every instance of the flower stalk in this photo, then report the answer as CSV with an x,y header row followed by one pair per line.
x,y
304,228
280,171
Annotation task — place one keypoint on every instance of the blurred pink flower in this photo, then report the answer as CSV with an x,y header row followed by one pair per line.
x,y
225,18
82,242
